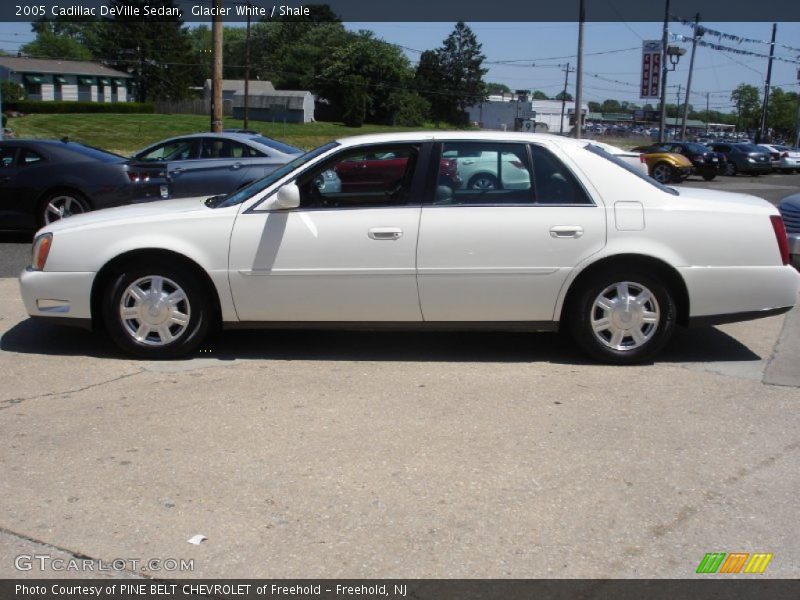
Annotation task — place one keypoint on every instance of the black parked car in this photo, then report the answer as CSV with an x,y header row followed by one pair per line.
x,y
42,181
744,157
706,162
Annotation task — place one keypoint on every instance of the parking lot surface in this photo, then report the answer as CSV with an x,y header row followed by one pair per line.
x,y
335,454
302,454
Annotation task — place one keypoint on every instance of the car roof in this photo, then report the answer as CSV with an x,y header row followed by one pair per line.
x,y
505,136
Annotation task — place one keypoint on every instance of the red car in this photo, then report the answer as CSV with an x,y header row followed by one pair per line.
x,y
371,172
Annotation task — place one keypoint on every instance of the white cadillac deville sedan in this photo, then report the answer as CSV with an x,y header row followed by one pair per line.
x,y
588,244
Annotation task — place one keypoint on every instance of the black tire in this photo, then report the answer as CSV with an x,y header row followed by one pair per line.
x,y
709,176
475,182
730,169
663,173
69,202
582,310
198,307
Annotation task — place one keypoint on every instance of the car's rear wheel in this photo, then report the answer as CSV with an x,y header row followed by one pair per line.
x,y
61,205
482,181
709,176
730,169
156,311
663,173
622,317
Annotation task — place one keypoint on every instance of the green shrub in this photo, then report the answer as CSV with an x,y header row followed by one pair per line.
x,y
12,92
35,106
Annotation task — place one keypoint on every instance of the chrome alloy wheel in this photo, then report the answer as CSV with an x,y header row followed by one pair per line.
x,y
625,316
154,310
61,207
483,182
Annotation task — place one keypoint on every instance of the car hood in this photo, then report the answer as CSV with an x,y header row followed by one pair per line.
x,y
131,212
729,201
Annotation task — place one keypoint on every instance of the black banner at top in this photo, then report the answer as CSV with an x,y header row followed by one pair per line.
x,y
406,10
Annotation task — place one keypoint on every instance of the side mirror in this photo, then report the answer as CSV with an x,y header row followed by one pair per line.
x,y
288,196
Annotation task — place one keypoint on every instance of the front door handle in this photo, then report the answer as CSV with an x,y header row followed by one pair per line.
x,y
385,233
236,166
176,171
566,231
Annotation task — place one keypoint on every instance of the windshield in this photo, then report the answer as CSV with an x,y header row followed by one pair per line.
x,y
259,185
621,163
275,145
697,148
751,148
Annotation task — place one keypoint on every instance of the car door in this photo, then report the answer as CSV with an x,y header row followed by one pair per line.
x,y
503,254
215,171
341,256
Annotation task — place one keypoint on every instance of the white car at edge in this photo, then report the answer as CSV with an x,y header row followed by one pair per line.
x,y
590,244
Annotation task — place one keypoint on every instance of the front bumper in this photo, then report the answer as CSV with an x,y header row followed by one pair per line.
x,y
59,296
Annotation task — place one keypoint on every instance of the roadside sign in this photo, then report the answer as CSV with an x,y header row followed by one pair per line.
x,y
650,86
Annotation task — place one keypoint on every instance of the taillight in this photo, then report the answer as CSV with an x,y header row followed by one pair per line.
x,y
641,159
138,176
41,248
780,237
785,155
517,164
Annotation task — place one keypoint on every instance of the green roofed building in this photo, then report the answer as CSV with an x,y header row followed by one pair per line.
x,y
70,80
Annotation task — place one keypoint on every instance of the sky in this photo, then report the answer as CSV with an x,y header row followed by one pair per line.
x,y
538,49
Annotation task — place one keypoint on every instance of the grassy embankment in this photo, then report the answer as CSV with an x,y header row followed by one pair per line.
x,y
126,133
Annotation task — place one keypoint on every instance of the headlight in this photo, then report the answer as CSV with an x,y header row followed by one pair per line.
x,y
41,248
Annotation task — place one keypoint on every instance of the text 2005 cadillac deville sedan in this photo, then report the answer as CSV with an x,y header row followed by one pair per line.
x,y
584,243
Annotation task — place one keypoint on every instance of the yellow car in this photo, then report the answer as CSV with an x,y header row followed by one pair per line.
x,y
665,167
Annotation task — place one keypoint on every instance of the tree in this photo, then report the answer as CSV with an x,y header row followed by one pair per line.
x,y
157,52
561,95
594,107
364,72
49,44
610,106
540,95
451,77
11,92
408,109
748,106
497,88
781,112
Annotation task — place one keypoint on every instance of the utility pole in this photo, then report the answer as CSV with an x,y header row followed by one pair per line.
x,y
247,68
763,122
216,74
664,43
708,112
697,34
564,95
579,74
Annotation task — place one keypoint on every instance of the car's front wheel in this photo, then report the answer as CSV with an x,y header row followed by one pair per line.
x,y
156,311
730,169
622,317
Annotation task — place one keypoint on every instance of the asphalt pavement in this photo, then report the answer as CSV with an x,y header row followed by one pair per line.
x,y
335,454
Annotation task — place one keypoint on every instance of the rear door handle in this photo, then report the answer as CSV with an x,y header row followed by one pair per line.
x,y
385,233
566,231
177,170
236,166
